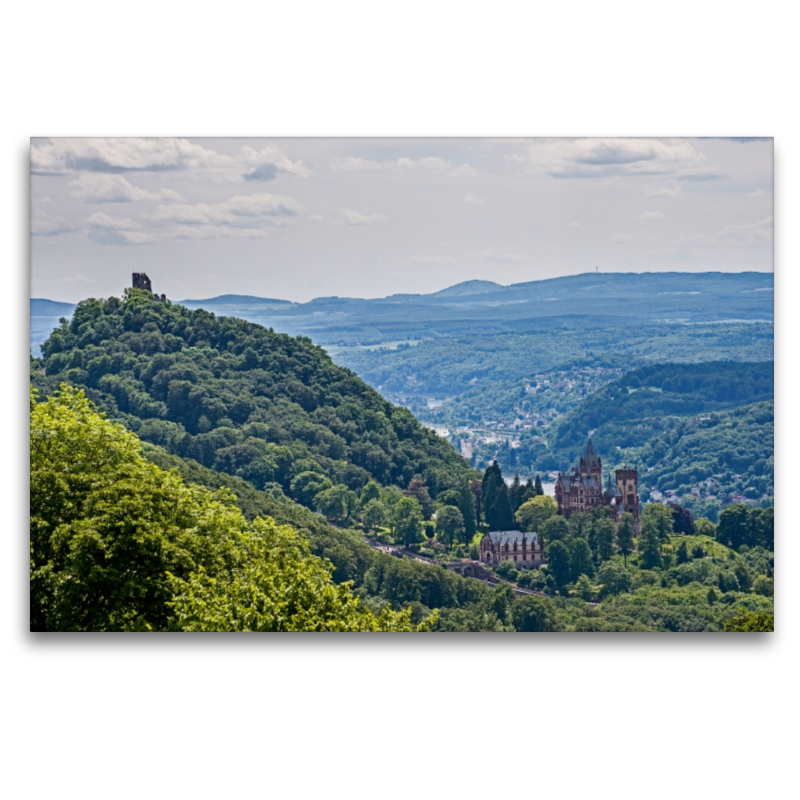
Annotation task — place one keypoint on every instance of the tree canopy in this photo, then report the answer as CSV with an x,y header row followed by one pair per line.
x,y
119,544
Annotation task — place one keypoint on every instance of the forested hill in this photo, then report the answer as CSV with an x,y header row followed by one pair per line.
x,y
664,390
240,398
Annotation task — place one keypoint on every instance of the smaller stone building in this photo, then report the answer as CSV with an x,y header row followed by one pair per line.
x,y
524,549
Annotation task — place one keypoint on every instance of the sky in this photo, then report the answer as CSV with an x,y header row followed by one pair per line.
x,y
301,218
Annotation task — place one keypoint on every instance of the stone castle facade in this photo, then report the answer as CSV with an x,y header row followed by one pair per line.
x,y
581,489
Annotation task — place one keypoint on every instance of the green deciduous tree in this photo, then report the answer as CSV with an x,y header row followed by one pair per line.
x,y
614,578
336,503
449,525
558,563
533,614
579,524
580,557
750,622
659,518
625,536
374,514
407,520
649,544
556,527
705,527
605,535
119,544
532,514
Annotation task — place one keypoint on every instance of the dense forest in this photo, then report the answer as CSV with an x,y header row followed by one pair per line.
x,y
454,365
121,543
256,485
241,399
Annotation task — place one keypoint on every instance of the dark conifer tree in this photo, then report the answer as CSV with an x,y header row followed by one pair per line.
x,y
515,494
529,492
466,505
538,486
496,505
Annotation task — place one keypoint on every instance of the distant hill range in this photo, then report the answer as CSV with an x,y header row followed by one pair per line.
x,y
589,300
50,308
235,299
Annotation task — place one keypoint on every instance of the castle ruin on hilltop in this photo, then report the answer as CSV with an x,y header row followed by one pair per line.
x,y
141,281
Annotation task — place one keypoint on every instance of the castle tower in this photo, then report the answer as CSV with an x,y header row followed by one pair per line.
x,y
628,487
591,464
141,281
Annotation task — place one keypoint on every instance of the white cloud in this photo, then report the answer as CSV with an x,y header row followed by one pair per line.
x,y
121,154
621,238
351,217
115,155
353,164
42,224
436,165
115,230
502,255
439,261
243,216
432,164
102,188
651,215
266,164
756,193
663,191
592,158
471,198
575,224
750,234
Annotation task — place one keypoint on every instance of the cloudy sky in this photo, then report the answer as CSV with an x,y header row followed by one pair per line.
x,y
303,218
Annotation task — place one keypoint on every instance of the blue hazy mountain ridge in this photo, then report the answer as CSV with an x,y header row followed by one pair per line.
x,y
577,301
236,299
45,315
589,300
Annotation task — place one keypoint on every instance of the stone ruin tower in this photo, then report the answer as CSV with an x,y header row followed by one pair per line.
x,y
141,281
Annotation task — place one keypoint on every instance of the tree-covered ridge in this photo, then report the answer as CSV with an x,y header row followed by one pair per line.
x,y
239,398
665,390
475,357
118,544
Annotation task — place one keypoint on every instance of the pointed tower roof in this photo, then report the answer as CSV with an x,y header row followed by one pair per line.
x,y
590,457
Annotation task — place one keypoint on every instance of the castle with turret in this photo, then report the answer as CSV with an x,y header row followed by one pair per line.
x,y
581,489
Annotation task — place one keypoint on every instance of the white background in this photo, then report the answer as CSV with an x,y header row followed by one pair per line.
x,y
476,716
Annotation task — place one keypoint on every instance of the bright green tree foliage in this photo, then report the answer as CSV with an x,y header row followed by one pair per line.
x,y
659,518
750,622
407,520
533,513
605,534
558,563
580,558
449,525
649,544
374,514
556,527
119,544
